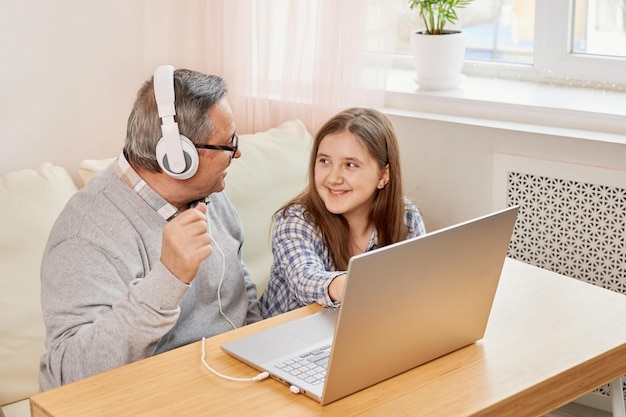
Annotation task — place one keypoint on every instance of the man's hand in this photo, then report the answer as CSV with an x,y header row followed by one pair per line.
x,y
186,243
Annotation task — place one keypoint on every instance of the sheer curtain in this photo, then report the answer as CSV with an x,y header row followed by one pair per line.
x,y
304,59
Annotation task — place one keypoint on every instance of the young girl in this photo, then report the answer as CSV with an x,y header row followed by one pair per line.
x,y
354,203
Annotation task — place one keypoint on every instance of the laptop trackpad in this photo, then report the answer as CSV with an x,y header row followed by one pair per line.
x,y
319,326
284,339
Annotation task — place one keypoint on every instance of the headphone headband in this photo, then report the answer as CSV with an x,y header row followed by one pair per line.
x,y
164,90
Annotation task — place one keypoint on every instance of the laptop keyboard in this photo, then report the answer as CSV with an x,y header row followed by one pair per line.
x,y
310,366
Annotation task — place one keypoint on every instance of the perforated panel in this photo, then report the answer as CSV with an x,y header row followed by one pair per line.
x,y
570,227
566,224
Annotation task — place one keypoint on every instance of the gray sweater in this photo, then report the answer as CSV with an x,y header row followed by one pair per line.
x,y
107,300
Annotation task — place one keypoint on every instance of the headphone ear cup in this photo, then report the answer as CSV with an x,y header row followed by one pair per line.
x,y
189,153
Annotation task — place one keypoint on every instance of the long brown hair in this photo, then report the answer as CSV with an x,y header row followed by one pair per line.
x,y
375,131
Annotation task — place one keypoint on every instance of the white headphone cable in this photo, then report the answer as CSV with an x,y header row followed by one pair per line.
x,y
219,286
259,377
262,375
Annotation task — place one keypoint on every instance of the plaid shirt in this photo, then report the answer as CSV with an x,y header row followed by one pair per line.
x,y
130,177
303,266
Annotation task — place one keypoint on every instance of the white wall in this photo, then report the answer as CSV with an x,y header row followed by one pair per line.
x,y
70,70
448,166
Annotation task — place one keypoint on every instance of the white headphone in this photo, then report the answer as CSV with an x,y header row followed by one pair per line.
x,y
175,153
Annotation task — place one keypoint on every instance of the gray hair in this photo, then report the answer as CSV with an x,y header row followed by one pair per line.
x,y
195,93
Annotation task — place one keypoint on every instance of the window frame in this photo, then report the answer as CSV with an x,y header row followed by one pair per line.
x,y
553,59
553,56
519,97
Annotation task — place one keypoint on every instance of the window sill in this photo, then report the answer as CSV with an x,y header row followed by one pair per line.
x,y
586,113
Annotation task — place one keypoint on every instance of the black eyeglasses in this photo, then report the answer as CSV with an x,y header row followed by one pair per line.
x,y
234,139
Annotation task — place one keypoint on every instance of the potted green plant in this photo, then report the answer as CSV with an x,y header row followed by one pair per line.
x,y
438,52
436,13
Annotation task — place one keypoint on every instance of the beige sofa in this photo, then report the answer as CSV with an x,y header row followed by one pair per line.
x,y
271,170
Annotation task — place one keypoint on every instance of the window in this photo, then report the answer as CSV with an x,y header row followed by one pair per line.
x,y
503,31
600,27
575,42
496,30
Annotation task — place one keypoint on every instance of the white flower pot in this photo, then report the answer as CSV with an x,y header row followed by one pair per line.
x,y
438,59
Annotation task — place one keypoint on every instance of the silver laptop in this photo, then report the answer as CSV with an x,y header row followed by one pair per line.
x,y
404,305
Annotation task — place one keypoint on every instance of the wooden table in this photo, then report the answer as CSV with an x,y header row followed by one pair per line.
x,y
550,339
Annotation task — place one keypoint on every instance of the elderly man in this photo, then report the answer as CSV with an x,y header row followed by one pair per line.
x,y
147,256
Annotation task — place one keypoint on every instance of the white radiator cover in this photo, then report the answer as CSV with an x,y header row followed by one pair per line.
x,y
572,218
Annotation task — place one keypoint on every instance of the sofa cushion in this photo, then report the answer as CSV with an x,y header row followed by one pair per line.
x,y
31,201
271,170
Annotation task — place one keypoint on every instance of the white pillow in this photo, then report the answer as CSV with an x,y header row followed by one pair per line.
x,y
272,169
89,167
31,201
